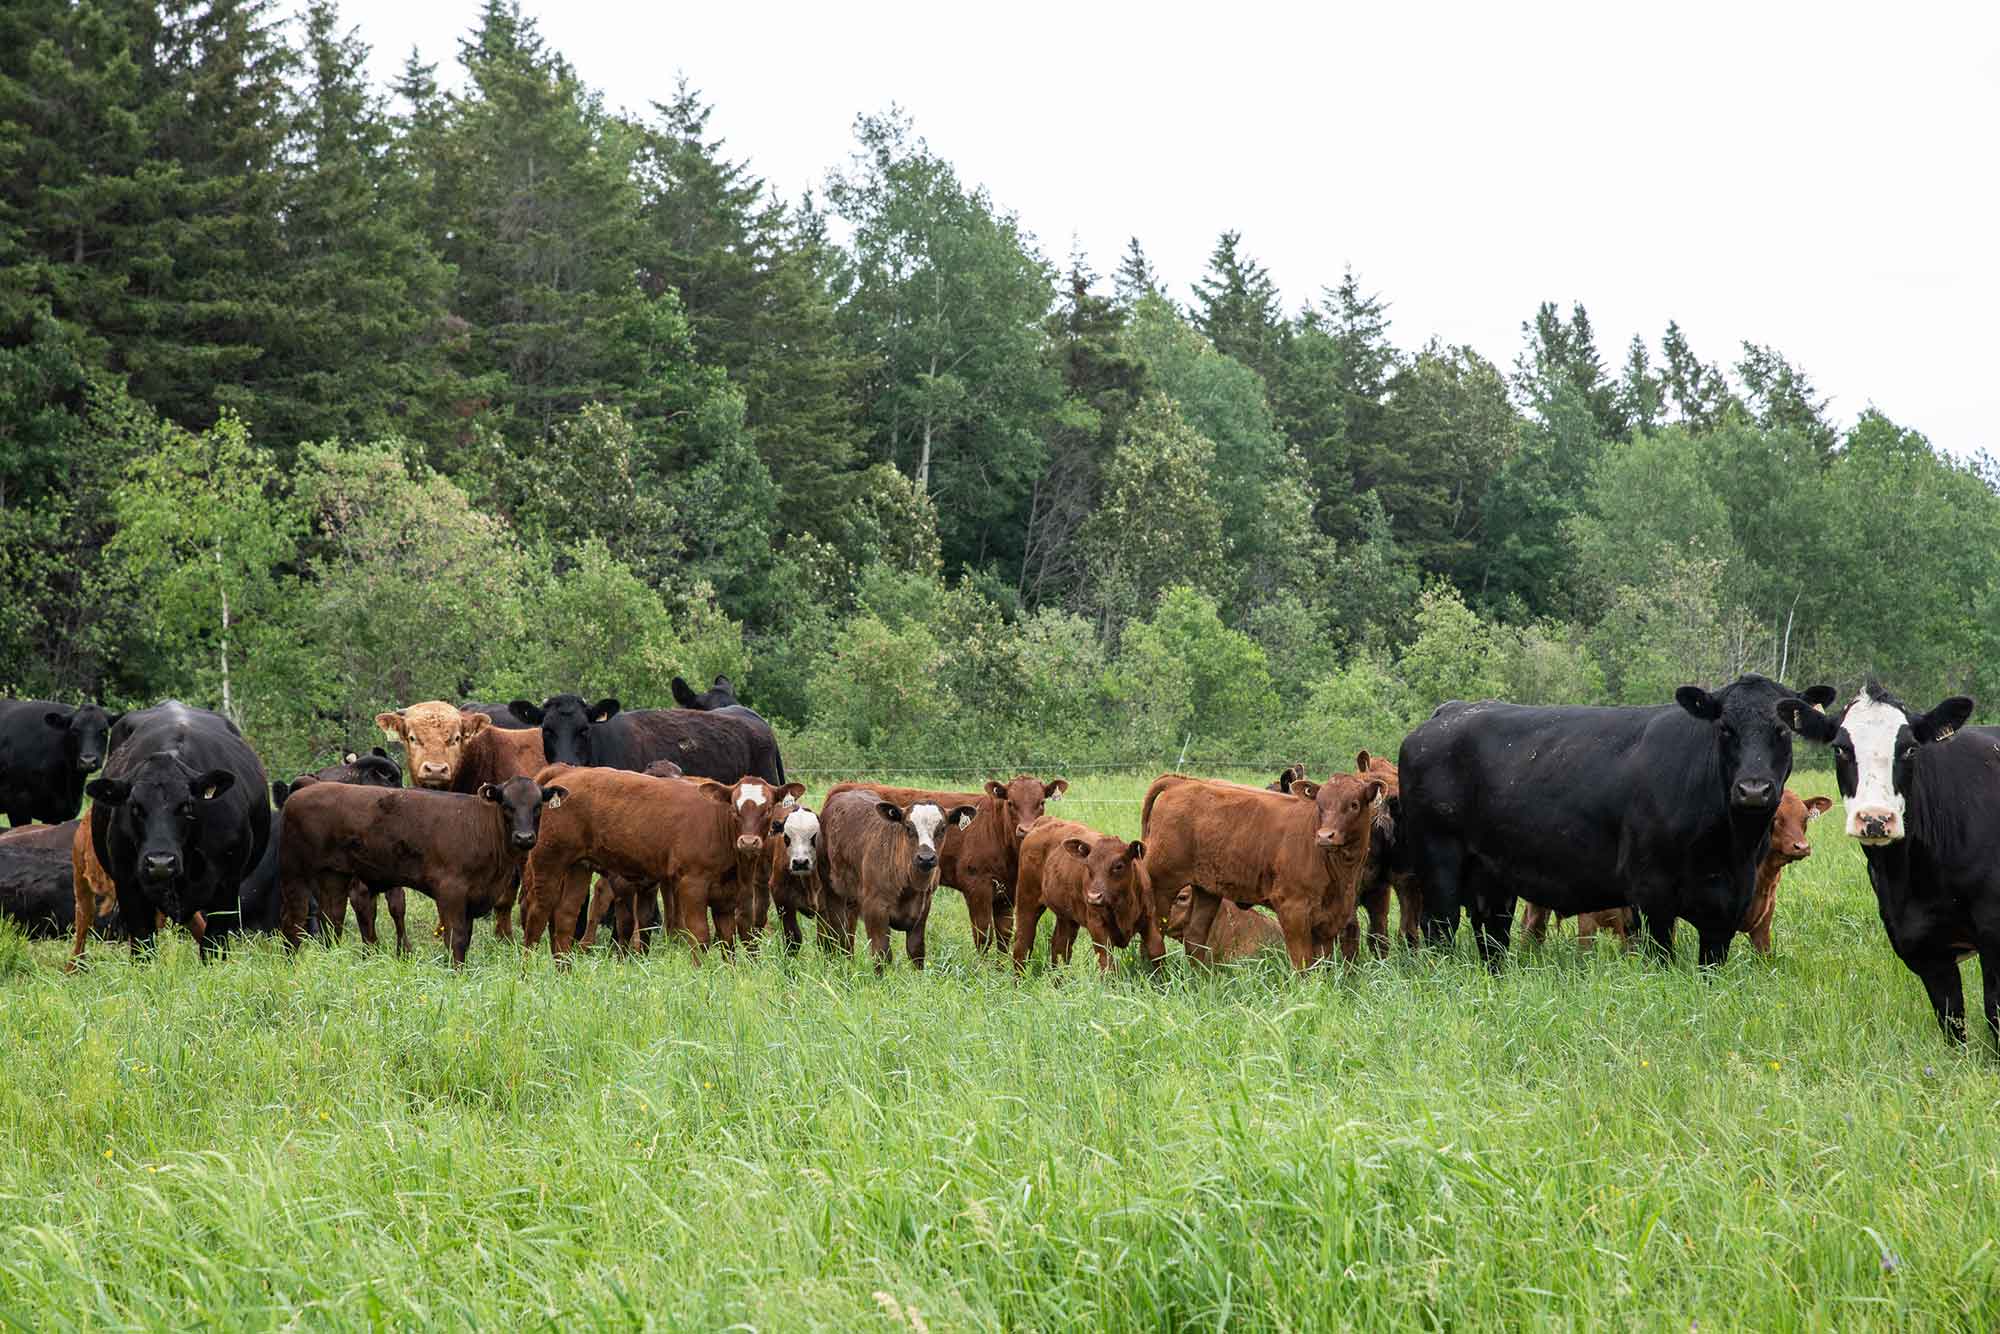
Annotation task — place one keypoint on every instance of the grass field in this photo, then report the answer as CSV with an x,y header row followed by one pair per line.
x,y
348,1138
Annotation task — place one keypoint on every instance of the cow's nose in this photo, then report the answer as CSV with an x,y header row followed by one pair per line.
x,y
90,761
801,867
1867,824
1803,849
749,843
1020,831
1753,792
523,840
1095,898
926,860
1328,838
162,865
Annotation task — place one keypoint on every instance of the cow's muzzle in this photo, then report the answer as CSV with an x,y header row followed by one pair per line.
x,y
88,762
926,861
1874,826
1330,838
1753,794
160,866
799,867
749,843
524,839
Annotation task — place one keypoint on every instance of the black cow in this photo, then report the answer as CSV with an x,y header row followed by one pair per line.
x,y
181,819
721,698
704,745
503,715
37,887
1665,808
261,906
1921,792
46,752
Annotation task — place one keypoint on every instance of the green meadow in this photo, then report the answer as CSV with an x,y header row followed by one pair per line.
x,y
1590,1141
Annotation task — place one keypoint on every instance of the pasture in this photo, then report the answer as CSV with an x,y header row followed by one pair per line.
x,y
348,1138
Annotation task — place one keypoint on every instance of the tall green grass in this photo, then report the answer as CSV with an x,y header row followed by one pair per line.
x,y
348,1138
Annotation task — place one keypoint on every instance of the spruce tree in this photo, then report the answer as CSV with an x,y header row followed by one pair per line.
x,y
1236,307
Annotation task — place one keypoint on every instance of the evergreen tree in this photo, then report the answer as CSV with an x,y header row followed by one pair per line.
x,y
1236,308
1699,392
1308,402
1778,396
1642,395
1561,359
1135,278
1364,359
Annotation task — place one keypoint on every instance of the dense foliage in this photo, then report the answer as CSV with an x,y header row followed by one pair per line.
x,y
316,396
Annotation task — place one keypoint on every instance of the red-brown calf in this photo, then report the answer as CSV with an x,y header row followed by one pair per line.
x,y
1086,879
1238,933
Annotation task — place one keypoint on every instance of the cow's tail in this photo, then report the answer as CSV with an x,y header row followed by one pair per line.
x,y
1160,784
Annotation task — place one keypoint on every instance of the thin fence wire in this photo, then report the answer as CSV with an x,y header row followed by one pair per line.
x,y
1151,764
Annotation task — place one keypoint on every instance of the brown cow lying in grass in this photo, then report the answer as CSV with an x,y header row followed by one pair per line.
x,y
464,851
1086,879
1788,845
882,867
981,860
1300,855
1238,933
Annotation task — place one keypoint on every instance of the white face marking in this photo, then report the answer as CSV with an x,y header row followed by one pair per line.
x,y
927,819
750,792
801,832
1872,726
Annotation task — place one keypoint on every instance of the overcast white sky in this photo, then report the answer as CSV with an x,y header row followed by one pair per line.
x,y
1821,177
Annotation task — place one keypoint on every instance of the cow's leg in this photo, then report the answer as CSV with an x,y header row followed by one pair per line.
x,y
1535,922
877,926
503,909
979,908
1939,974
331,892
914,944
1105,963
1003,917
1027,921
1715,945
1989,977
1410,913
1659,934
569,909
1061,941
832,935
399,913
1586,932
1492,922
1441,870
363,899
691,897
603,899
207,944
86,904
1203,909
788,922
1297,924
453,911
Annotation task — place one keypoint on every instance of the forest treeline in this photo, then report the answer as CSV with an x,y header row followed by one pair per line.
x,y
317,395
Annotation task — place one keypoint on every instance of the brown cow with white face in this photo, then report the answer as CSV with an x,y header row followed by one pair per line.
x,y
882,867
1086,879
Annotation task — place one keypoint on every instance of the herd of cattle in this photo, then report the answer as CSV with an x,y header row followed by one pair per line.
x,y
681,820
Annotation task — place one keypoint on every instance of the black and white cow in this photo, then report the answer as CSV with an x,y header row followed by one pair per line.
x,y
1923,799
1667,809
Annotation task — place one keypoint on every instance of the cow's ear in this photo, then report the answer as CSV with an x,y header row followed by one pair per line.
x,y
1305,788
489,792
378,751
475,723
392,725
532,713
1817,806
683,696
57,719
1055,788
722,683
714,791
108,791
554,795
1940,723
962,815
604,710
790,793
1362,759
1699,703
1820,697
890,811
212,784
349,758
996,789
1135,850
1077,848
279,792
1807,721
1372,791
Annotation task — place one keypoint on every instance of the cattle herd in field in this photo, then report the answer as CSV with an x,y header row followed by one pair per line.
x,y
680,823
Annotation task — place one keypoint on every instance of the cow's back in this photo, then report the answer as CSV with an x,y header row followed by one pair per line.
x,y
704,744
1225,837
497,754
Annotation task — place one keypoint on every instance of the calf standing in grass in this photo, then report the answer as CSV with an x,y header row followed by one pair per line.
x,y
796,879
1086,879
882,867
1301,855
464,851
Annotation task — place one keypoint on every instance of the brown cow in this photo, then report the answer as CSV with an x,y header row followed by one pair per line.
x,y
1788,845
456,750
751,802
1238,933
1086,879
1384,872
635,831
882,867
464,851
981,860
1301,855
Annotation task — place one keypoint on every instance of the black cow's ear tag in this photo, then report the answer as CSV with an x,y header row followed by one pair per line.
x,y
208,793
